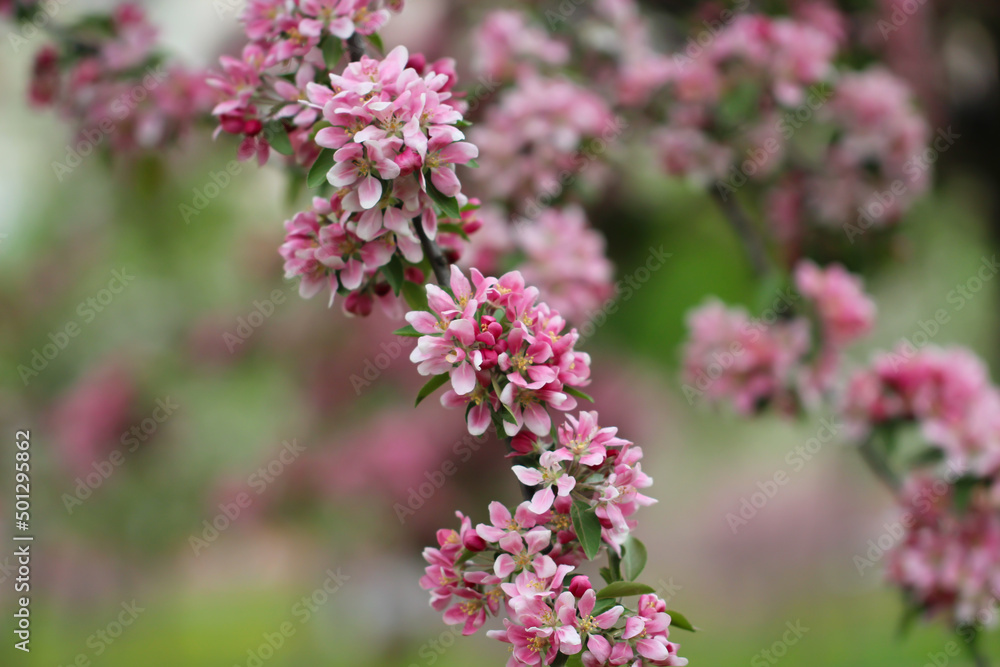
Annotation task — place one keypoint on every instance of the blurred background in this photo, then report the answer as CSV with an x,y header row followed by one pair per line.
x,y
225,474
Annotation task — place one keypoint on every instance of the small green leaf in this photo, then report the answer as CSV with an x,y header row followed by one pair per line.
x,y
393,273
322,165
623,589
575,660
376,41
679,621
587,527
962,492
333,50
602,606
465,556
508,415
615,566
415,296
408,330
929,456
472,163
576,392
606,575
453,228
432,385
447,206
277,137
633,558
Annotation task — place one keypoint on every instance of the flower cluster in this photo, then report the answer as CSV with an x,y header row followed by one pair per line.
x,y
880,142
783,359
106,78
948,562
537,132
737,111
587,484
391,143
291,46
566,258
507,356
945,392
507,44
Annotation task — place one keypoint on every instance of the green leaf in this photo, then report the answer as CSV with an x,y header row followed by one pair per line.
x,y
323,164
679,621
606,575
465,556
333,50
472,163
415,296
602,606
575,660
277,136
623,589
615,566
376,41
408,330
962,492
432,385
447,206
576,392
393,273
633,558
930,456
587,527
453,228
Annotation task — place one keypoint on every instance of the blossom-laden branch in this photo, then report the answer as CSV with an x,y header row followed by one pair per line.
x,y
508,360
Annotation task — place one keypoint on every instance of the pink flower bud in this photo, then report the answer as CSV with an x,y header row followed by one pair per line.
x,y
358,303
579,586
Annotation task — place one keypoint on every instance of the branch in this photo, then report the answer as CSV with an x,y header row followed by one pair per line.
x,y
879,465
752,243
355,47
438,262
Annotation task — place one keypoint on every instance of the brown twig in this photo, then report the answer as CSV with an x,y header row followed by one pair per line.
x,y
741,224
439,264
355,47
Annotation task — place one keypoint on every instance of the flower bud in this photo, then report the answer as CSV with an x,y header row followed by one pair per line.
x,y
579,586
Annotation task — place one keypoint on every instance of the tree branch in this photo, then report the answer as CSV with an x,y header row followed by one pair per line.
x,y
439,264
878,465
751,241
355,47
